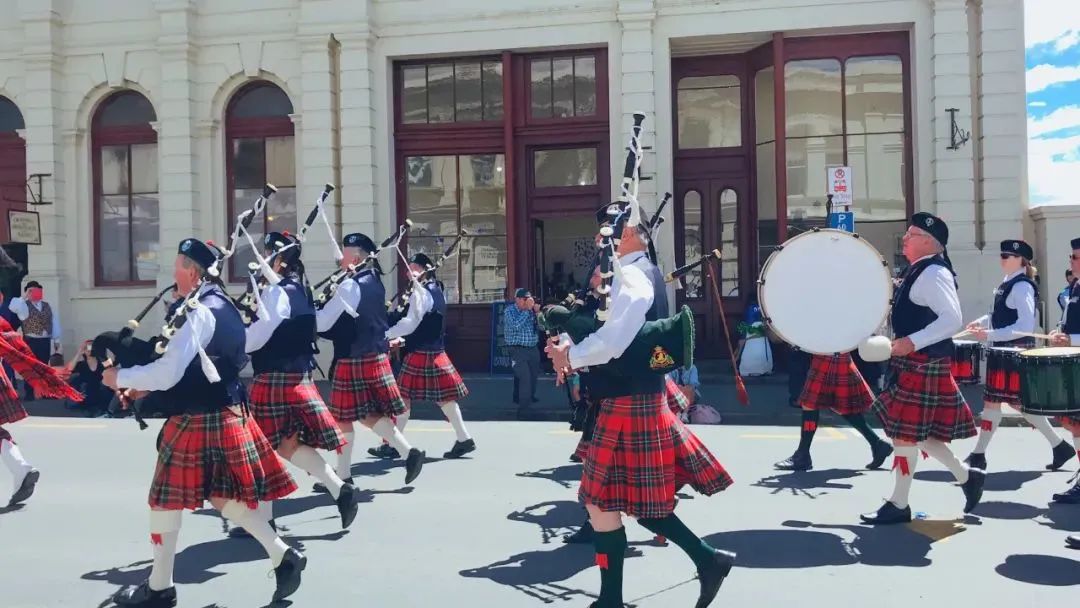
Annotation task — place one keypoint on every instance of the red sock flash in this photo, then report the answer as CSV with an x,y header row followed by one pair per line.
x,y
602,561
901,462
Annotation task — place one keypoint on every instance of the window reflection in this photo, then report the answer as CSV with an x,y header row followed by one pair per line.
x,y
564,167
710,112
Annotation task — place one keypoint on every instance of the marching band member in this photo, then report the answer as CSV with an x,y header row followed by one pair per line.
x,y
286,403
1015,301
427,374
623,473
1068,334
922,408
364,388
209,448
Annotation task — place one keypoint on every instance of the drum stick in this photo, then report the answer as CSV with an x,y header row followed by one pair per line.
x,y
1028,334
966,331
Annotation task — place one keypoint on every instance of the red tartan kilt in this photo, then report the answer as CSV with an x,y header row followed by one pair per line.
x,y
219,455
923,402
11,409
676,400
640,454
365,387
581,451
430,376
1002,379
834,383
287,404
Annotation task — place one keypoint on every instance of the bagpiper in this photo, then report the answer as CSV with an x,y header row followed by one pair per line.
x,y
1068,334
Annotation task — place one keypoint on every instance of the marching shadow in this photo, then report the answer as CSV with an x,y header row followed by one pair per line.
x,y
366,495
555,518
1061,517
896,545
801,483
1048,570
787,548
1001,481
565,475
1007,510
375,467
11,508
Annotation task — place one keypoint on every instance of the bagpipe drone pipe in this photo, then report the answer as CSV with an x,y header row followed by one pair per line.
x,y
398,306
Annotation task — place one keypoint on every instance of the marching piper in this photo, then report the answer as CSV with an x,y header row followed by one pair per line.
x,y
922,407
210,447
286,403
1068,334
427,374
1015,301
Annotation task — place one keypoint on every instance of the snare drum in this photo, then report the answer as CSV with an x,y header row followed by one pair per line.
x,y
1003,375
1050,381
967,361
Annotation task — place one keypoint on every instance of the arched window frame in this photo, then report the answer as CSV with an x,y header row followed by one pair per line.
x,y
694,277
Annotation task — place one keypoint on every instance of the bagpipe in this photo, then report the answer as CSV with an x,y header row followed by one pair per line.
x,y
398,306
330,284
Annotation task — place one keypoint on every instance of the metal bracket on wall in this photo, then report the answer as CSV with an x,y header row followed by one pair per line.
x,y
957,136
34,199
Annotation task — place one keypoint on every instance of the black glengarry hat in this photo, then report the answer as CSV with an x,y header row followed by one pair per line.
x,y
357,239
1018,248
198,252
1075,244
933,225
422,260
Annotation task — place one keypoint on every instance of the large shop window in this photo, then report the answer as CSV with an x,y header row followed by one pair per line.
x,y
563,86
260,149
452,91
126,211
765,162
710,112
447,193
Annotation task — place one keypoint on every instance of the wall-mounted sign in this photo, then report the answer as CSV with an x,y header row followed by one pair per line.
x,y
24,227
839,185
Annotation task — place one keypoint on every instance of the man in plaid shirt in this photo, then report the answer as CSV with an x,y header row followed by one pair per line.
x,y
520,335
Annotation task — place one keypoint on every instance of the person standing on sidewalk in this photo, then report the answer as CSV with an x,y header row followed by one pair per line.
x,y
40,326
520,334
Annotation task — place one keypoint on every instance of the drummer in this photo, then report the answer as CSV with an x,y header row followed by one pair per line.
x,y
1015,301
922,407
1068,334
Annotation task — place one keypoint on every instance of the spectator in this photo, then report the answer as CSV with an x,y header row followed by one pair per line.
x,y
40,326
688,383
521,336
85,377
1063,295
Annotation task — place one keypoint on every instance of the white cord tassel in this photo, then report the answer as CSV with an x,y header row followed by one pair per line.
x,y
208,367
267,272
260,309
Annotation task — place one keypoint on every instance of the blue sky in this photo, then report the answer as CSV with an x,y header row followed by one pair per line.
x,y
1052,34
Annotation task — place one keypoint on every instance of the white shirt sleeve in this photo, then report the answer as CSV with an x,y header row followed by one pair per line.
x,y
629,305
936,290
420,303
56,335
184,346
1022,300
276,302
18,306
346,300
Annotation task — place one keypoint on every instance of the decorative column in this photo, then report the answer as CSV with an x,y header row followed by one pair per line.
x,y
365,208
636,81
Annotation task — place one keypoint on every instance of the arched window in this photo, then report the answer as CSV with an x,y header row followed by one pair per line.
x,y
692,245
12,172
11,118
260,150
126,212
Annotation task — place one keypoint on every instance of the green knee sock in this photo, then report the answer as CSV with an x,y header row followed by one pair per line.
x,y
610,553
858,422
676,531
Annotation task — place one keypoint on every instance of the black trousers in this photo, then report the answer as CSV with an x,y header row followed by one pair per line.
x,y
42,349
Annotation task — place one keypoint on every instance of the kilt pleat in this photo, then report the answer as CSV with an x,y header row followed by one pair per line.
x,y
11,409
834,383
676,400
430,376
922,401
222,454
287,404
640,454
365,387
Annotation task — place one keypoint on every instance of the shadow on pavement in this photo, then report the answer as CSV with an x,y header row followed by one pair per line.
x,y
1007,510
556,518
1002,481
1048,570
11,508
788,548
800,483
566,475
1062,517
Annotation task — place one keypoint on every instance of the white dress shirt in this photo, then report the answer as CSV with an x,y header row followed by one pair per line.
x,y
420,303
346,299
631,299
936,289
1022,300
20,307
1074,339
184,346
278,309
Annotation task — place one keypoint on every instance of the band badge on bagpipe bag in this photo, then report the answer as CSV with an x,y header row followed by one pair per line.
x,y
661,360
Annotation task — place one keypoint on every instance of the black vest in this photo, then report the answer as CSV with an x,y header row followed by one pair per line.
x,y
908,317
366,334
430,334
1003,316
194,394
292,346
1071,321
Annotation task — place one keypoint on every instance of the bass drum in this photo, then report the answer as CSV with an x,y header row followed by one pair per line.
x,y
825,291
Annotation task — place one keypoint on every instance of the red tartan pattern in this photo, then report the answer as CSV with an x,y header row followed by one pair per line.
x,y
1003,380
365,387
289,404
834,383
5,435
11,409
582,449
676,400
430,376
923,402
640,454
223,454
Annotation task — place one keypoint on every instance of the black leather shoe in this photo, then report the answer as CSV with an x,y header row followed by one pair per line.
x,y
880,452
712,576
575,458
320,488
413,464
26,488
1070,496
385,451
799,461
1072,542
347,505
888,514
239,532
584,535
976,460
1063,452
145,597
973,489
461,448
287,574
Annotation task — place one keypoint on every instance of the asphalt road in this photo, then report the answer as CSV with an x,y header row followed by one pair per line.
x,y
485,531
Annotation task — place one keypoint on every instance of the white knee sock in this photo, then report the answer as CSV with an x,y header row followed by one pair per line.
x,y
309,460
1076,444
990,421
941,452
402,419
344,458
386,429
266,511
260,530
904,460
164,532
1042,424
453,414
14,461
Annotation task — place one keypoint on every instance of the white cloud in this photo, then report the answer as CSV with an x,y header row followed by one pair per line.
x,y
1061,118
1043,76
1051,21
1038,104
1070,39
1054,182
